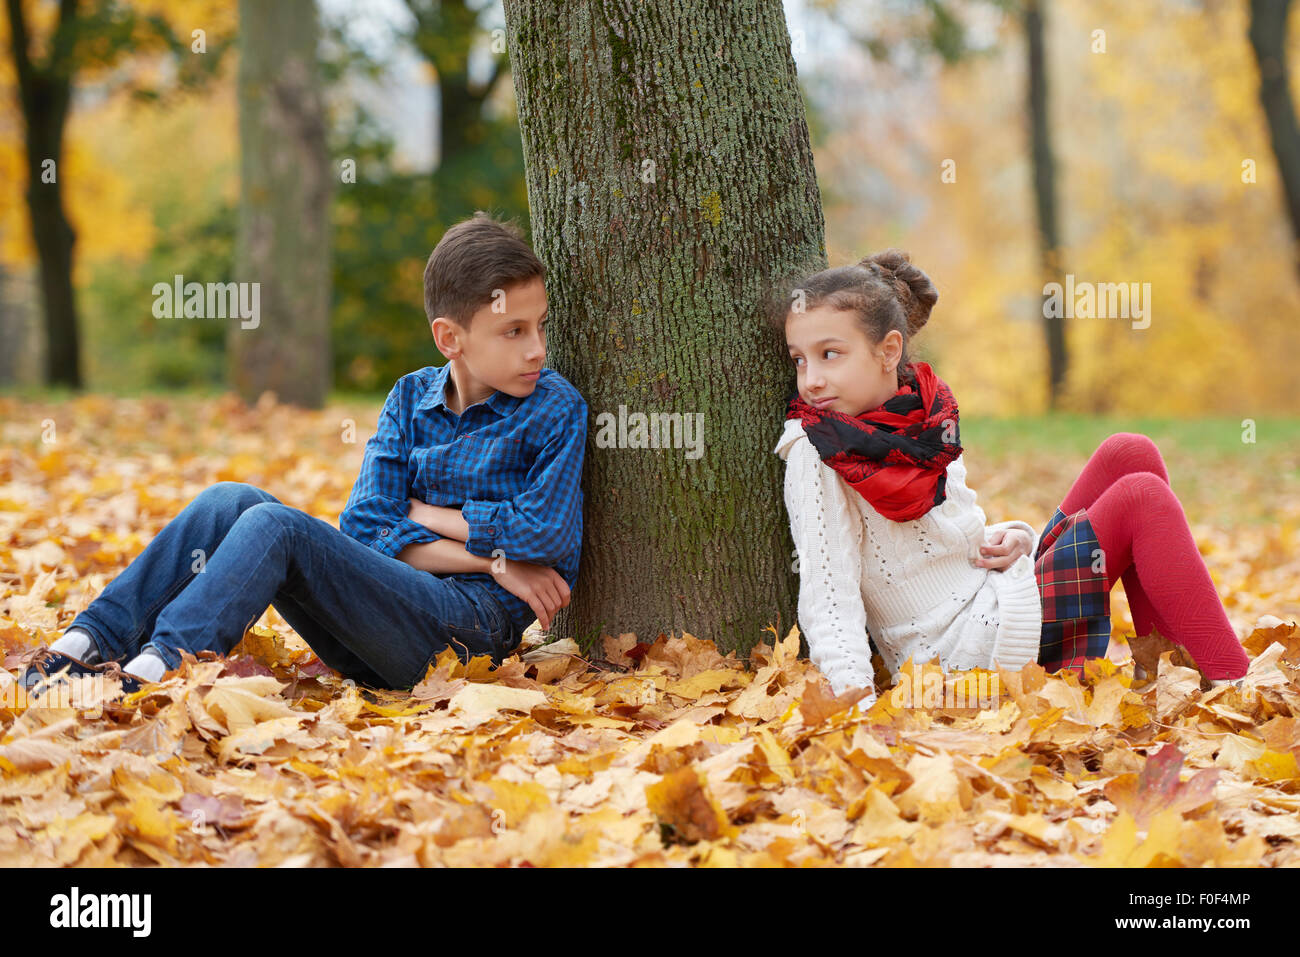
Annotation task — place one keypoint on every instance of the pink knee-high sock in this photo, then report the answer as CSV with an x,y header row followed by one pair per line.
x,y
1121,454
1145,617
1144,534
1140,525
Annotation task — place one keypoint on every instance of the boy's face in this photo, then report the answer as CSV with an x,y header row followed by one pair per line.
x,y
504,348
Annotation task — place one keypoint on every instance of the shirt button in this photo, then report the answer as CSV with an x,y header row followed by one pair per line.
x,y
492,529
950,508
383,533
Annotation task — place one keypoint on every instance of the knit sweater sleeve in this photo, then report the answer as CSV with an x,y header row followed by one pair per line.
x,y
829,538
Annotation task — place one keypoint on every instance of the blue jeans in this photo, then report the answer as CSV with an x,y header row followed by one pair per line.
x,y
211,572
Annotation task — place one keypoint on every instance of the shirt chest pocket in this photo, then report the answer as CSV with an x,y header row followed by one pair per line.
x,y
469,467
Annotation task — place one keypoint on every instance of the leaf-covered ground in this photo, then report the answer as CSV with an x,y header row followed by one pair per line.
x,y
655,753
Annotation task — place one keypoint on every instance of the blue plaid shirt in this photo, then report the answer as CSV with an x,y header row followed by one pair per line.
x,y
512,466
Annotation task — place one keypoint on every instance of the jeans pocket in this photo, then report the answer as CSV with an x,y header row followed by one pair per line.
x,y
507,642
471,631
466,642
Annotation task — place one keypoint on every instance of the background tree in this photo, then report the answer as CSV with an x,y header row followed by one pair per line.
x,y
388,221
939,28
285,193
90,37
670,180
1268,32
445,35
1046,204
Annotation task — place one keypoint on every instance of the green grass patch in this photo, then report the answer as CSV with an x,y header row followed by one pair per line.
x,y
1081,434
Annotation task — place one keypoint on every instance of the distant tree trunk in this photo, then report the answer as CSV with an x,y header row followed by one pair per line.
x,y
671,180
466,176
1044,165
44,92
11,334
284,203
445,33
1268,20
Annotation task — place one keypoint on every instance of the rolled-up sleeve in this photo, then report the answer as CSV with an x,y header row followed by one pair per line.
x,y
376,512
542,524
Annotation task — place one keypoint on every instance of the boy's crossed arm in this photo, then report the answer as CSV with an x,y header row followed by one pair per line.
x,y
541,587
533,531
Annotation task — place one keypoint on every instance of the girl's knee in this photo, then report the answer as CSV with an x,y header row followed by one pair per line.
x,y
1145,490
1128,442
1134,452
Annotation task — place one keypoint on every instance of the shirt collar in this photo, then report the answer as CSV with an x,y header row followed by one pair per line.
x,y
500,402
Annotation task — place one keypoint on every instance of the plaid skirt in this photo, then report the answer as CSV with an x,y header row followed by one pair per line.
x,y
1073,592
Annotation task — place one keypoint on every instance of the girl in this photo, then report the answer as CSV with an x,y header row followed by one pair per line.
x,y
889,537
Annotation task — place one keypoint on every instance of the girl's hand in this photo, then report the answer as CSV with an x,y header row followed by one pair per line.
x,y
1004,547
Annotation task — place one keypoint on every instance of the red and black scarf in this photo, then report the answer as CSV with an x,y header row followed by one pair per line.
x,y
894,455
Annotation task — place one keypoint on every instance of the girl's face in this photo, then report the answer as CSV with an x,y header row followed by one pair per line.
x,y
838,367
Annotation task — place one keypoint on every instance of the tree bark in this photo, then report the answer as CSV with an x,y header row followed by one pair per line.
x,y
44,92
671,184
1268,20
1045,204
284,203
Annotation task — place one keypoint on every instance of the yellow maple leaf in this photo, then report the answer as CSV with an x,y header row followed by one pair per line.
x,y
681,801
1276,766
150,822
240,703
1122,847
516,800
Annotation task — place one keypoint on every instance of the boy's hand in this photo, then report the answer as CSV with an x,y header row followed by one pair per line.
x,y
541,587
1004,547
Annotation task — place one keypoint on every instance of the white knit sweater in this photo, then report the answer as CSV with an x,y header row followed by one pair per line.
x,y
911,583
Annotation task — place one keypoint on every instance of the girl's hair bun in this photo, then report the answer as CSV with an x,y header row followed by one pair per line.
x,y
916,294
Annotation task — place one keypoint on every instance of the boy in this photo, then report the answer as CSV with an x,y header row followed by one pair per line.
x,y
464,524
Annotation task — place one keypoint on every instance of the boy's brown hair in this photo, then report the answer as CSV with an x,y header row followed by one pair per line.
x,y
473,258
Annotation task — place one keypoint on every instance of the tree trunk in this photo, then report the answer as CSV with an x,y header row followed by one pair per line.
x,y
11,334
1268,19
671,182
44,91
284,203
1044,165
